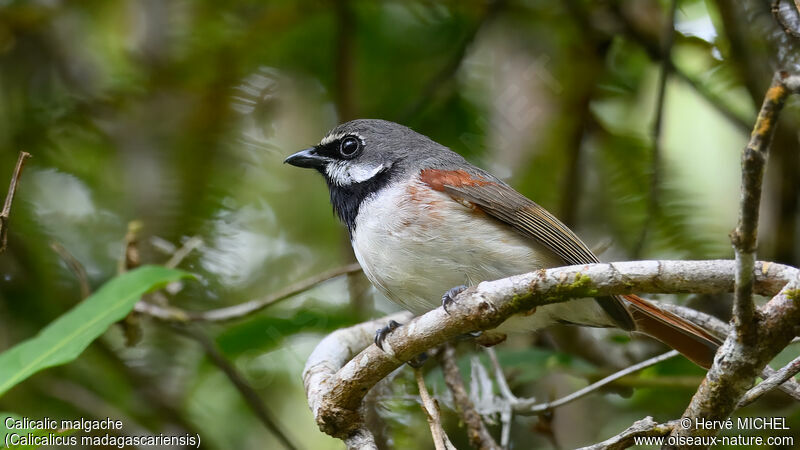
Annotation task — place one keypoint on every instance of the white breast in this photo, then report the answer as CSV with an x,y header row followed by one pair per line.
x,y
415,243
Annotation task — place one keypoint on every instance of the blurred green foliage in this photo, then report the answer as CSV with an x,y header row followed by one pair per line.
x,y
179,114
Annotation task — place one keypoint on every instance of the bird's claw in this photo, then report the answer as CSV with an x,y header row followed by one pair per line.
x,y
449,297
381,334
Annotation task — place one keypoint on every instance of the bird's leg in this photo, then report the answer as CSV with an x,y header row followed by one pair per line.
x,y
381,334
449,297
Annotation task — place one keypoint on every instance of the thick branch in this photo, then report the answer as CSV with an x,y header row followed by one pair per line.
x,y
335,395
736,366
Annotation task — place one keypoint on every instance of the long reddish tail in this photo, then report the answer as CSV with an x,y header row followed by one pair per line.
x,y
691,340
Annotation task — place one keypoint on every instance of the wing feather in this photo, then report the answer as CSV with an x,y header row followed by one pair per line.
x,y
502,202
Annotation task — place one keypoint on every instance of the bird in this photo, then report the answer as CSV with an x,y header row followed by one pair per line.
x,y
424,224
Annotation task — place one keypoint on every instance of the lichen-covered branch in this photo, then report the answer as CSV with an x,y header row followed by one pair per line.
x,y
736,366
757,335
754,159
336,386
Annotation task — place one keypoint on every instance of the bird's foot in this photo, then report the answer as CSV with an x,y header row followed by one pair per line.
x,y
381,334
449,297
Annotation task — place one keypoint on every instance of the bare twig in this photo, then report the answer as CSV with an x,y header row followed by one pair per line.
x,y
180,254
737,364
129,258
451,68
345,83
12,189
335,392
507,412
75,266
477,433
756,337
654,51
783,20
655,166
523,409
777,379
431,408
754,159
720,328
500,377
248,393
172,314
640,428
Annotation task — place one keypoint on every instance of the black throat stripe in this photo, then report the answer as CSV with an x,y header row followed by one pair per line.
x,y
346,200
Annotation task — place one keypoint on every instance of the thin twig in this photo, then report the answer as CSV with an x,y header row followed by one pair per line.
x,y
507,412
431,408
451,68
654,51
173,314
12,189
477,433
180,254
129,258
640,428
248,393
655,165
523,409
75,266
505,390
344,63
777,379
720,328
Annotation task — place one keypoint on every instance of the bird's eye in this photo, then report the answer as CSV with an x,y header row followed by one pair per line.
x,y
349,147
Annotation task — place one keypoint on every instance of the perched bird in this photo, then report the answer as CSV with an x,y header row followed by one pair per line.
x,y
423,221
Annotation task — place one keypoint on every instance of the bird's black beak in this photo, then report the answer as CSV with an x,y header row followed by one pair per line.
x,y
307,158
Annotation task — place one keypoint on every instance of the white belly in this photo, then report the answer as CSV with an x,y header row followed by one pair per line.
x,y
413,250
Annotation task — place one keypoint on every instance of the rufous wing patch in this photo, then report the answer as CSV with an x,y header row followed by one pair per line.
x,y
437,179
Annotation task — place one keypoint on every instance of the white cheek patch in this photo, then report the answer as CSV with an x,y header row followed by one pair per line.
x,y
343,173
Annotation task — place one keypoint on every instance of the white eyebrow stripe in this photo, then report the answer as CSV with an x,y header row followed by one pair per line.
x,y
330,138
336,136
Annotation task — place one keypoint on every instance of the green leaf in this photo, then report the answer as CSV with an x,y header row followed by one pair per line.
x,y
66,337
